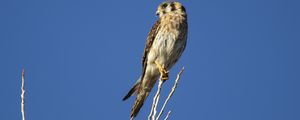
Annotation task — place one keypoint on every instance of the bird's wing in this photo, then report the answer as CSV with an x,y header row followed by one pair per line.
x,y
150,39
142,94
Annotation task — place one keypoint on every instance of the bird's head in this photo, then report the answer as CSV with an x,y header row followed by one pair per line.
x,y
170,7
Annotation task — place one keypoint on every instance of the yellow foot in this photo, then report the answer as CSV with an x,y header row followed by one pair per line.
x,y
164,74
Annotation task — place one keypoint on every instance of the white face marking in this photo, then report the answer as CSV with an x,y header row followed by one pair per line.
x,y
169,8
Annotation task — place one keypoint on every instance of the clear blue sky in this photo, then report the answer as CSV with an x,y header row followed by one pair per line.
x,y
82,56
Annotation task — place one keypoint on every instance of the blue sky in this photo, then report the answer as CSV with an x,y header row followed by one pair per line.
x,y
82,57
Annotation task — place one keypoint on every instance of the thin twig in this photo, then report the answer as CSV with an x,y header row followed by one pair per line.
x,y
23,96
153,111
167,117
170,94
155,101
160,83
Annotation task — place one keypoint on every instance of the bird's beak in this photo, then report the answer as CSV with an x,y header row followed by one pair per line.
x,y
157,13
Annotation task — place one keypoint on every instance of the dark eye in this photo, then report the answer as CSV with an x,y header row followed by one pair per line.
x,y
164,5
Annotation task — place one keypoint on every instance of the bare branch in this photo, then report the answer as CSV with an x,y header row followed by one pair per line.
x,y
167,117
155,101
171,93
152,115
23,96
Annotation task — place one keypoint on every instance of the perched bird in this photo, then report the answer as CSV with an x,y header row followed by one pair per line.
x,y
165,43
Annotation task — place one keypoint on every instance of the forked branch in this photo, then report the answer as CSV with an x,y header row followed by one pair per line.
x,y
152,115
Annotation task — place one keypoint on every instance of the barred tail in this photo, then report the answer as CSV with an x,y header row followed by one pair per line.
x,y
140,99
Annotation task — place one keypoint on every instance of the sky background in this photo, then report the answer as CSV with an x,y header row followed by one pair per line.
x,y
82,56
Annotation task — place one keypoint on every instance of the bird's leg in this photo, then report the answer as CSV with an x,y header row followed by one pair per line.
x,y
163,72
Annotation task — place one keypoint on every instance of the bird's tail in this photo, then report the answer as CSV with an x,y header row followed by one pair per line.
x,y
140,99
133,90
142,94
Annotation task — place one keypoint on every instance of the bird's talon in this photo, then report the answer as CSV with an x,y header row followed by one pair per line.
x,y
165,77
164,73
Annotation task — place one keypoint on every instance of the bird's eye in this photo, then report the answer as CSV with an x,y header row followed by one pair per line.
x,y
164,5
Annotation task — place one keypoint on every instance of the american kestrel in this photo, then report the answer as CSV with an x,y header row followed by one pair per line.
x,y
165,43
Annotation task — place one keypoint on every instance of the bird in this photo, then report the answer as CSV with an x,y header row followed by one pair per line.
x,y
165,44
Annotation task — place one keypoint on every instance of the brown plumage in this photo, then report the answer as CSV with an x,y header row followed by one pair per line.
x,y
165,43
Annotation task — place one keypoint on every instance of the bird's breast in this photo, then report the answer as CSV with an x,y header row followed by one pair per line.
x,y
168,45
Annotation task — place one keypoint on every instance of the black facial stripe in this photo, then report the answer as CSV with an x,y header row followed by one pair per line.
x,y
182,8
173,7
